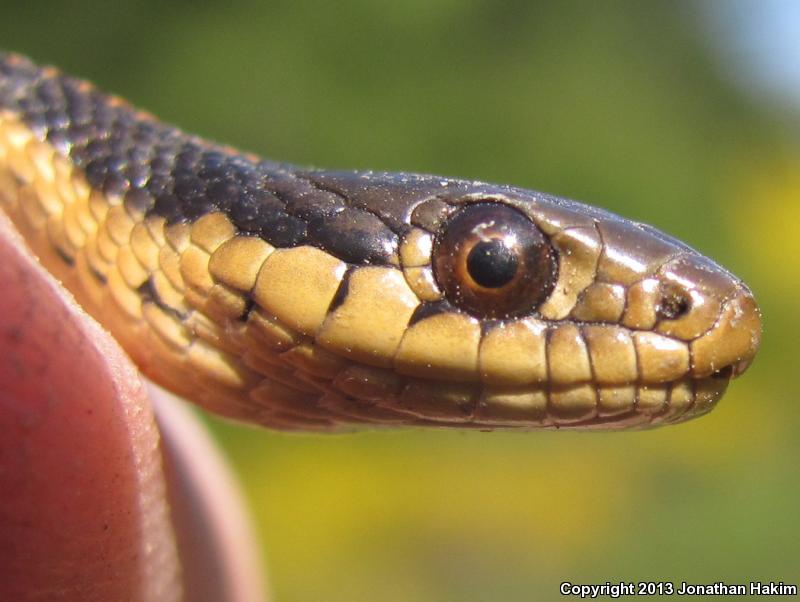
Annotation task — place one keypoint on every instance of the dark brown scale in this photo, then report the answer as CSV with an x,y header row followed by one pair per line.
x,y
362,236
158,170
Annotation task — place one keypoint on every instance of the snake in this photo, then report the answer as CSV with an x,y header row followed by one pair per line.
x,y
317,300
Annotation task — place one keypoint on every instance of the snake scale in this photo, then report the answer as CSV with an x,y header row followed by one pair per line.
x,y
303,299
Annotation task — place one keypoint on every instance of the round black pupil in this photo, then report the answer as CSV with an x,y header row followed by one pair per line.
x,y
492,264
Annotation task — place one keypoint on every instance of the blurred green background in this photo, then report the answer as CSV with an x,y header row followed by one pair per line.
x,y
629,105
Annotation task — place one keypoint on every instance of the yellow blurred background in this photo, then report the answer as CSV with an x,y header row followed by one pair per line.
x,y
648,109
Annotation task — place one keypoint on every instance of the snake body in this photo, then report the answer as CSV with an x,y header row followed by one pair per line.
x,y
319,300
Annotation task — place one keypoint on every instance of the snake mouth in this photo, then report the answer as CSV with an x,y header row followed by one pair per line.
x,y
586,406
729,372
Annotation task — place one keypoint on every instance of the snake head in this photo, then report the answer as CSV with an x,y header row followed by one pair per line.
x,y
519,309
306,299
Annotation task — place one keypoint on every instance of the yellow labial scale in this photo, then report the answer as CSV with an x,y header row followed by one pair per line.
x,y
269,331
514,353
132,271
423,283
600,302
308,357
614,400
681,397
211,230
297,286
450,402
512,405
369,324
126,298
168,327
99,206
415,250
731,339
144,247
579,250
41,156
178,236
368,382
651,398
573,404
567,356
30,209
58,237
661,358
170,264
119,225
218,366
643,298
237,262
167,293
612,353
443,346
225,303
106,246
194,269
72,226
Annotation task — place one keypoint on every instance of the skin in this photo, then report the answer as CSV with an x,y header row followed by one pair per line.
x,y
109,491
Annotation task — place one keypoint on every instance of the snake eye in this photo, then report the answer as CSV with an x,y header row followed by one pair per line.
x,y
493,262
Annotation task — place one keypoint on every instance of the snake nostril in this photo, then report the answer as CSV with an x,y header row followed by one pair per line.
x,y
675,302
725,373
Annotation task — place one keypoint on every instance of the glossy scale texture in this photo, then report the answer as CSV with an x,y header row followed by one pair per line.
x,y
306,299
